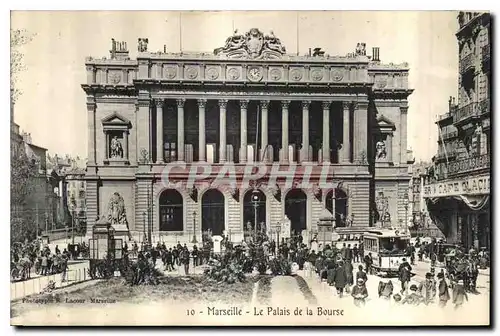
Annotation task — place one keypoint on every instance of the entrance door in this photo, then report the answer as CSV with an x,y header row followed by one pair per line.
x,y
296,210
254,208
212,212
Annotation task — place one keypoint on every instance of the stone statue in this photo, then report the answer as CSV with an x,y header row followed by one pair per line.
x,y
381,151
253,45
142,44
382,203
116,148
361,49
116,210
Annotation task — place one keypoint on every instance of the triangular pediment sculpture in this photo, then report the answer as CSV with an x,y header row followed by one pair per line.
x,y
253,44
115,119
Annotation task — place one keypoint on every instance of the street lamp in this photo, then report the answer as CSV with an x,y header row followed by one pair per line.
x,y
73,212
406,201
278,230
194,241
144,226
255,202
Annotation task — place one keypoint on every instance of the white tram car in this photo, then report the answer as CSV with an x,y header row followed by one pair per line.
x,y
388,247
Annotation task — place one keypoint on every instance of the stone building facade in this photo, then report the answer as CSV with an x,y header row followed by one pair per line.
x,y
247,102
458,188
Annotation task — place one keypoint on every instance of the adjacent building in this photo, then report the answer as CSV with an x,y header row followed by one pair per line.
x,y
247,101
457,190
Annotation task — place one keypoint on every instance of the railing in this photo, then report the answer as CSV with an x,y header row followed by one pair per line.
x,y
449,135
485,51
444,116
467,63
469,110
469,165
484,106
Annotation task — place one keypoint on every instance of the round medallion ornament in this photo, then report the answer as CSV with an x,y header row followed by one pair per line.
x,y
337,75
296,75
316,75
170,72
115,78
212,73
191,72
381,83
233,74
275,74
254,74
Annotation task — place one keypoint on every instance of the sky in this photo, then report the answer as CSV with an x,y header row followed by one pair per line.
x,y
52,107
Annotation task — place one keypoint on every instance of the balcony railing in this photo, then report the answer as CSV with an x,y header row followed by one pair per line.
x,y
469,165
450,135
485,52
484,106
467,63
444,116
469,110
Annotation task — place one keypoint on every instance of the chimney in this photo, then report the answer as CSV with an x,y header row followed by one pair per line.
x,y
310,52
164,48
376,54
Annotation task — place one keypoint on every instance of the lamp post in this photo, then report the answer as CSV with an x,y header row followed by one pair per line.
x,y
144,226
406,201
278,230
194,241
73,212
255,202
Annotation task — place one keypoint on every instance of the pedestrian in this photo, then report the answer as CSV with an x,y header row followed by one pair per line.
x,y
340,278
368,263
185,260
413,298
404,272
360,274
349,275
421,253
444,295
64,268
355,253
44,264
359,293
428,288
412,254
459,294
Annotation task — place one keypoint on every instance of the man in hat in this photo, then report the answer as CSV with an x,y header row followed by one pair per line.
x,y
459,294
444,294
359,293
404,275
413,298
427,288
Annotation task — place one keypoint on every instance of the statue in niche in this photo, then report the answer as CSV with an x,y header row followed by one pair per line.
x,y
381,151
382,204
116,148
142,44
116,210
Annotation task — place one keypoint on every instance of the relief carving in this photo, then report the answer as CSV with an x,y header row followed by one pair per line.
x,y
337,75
233,74
254,44
316,75
191,72
296,74
275,74
212,73
170,72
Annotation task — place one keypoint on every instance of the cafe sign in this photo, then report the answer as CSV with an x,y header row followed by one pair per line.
x,y
478,185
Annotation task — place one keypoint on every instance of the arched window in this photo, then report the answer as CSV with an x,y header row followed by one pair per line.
x,y
171,211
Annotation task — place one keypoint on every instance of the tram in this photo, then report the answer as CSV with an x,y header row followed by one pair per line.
x,y
388,247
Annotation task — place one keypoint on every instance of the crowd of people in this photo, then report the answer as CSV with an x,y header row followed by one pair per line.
x,y
32,257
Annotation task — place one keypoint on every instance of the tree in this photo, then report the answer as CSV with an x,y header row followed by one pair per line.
x,y
18,38
22,173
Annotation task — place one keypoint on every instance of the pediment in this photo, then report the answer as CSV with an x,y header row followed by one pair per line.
x,y
116,119
385,123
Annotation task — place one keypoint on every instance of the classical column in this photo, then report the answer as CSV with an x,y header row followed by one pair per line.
x,y
284,129
180,129
106,152
305,131
159,131
346,141
91,109
243,131
143,127
326,131
264,151
404,134
222,140
361,132
389,147
201,130
125,144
